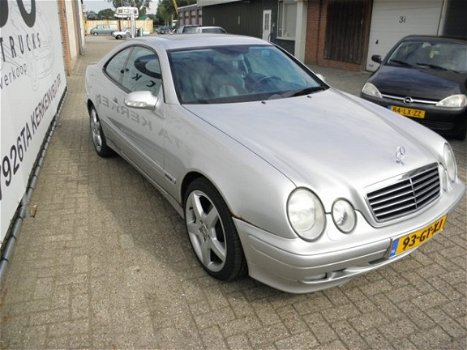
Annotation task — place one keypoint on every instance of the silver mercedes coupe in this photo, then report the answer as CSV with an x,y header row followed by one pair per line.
x,y
275,173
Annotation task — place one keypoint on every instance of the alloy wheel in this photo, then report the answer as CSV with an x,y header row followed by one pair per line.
x,y
96,131
206,231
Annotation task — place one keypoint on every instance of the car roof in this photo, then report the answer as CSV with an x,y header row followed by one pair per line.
x,y
462,40
181,41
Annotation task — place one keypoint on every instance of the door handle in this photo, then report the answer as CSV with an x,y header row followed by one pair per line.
x,y
115,100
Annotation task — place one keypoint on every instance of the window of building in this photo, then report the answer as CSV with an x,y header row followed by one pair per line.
x,y
287,19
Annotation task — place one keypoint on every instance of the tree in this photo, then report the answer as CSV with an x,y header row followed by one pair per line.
x,y
91,15
142,5
166,10
106,14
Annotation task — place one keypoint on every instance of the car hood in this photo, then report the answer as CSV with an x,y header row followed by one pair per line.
x,y
420,83
326,140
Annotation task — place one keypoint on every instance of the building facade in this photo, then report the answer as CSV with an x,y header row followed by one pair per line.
x,y
190,15
70,13
345,34
282,22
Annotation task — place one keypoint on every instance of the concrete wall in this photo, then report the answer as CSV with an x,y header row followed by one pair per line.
x,y
70,14
456,18
71,32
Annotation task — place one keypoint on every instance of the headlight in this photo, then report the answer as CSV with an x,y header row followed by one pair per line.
x,y
344,216
450,162
371,90
306,214
453,101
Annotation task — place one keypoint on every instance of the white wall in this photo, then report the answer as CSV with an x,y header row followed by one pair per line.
x,y
391,20
32,81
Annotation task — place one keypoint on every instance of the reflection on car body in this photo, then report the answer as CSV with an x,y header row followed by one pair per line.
x,y
276,174
123,110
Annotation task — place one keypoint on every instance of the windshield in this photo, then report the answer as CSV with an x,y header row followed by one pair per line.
x,y
238,74
436,55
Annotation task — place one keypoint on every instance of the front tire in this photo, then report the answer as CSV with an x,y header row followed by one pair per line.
x,y
98,138
212,233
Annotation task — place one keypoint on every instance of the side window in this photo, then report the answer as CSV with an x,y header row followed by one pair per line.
x,y
143,71
115,67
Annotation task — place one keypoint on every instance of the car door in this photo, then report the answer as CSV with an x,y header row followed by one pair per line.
x,y
137,132
109,95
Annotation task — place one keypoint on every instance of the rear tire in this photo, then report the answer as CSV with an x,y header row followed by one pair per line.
x,y
212,232
98,138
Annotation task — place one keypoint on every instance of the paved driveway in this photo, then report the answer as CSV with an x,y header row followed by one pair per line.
x,y
106,263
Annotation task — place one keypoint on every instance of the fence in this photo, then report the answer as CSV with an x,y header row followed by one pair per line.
x,y
146,24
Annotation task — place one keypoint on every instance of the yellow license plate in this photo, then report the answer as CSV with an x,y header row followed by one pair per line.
x,y
409,112
414,239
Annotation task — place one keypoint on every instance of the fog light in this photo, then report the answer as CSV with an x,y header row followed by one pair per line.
x,y
321,276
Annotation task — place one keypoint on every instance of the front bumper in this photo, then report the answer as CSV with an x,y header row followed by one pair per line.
x,y
296,266
446,121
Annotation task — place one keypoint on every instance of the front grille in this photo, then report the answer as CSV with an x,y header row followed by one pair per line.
x,y
402,99
406,195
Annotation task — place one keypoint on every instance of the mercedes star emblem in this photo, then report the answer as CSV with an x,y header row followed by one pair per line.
x,y
400,154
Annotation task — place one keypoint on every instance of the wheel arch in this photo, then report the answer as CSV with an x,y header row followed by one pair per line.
x,y
194,175
187,180
241,268
89,105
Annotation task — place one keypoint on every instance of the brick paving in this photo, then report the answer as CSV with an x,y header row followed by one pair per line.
x,y
106,263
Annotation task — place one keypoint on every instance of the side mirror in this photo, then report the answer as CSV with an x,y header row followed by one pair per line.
x,y
141,100
376,58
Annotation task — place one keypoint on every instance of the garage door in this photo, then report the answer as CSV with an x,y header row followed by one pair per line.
x,y
393,19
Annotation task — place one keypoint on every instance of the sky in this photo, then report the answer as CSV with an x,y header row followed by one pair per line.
x,y
97,5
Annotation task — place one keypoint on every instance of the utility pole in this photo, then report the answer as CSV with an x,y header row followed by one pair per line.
x,y
174,2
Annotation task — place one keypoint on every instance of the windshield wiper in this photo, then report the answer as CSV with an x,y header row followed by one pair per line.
x,y
198,101
305,91
434,66
402,63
